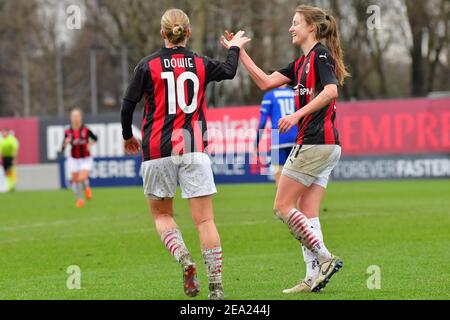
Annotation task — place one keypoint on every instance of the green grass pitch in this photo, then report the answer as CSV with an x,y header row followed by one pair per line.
x,y
402,227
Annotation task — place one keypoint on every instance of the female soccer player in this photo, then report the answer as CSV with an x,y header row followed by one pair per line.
x,y
315,76
80,162
174,81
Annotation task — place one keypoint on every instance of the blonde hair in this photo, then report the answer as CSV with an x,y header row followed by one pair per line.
x,y
76,109
175,24
326,29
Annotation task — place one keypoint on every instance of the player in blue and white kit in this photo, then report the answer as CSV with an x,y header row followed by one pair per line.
x,y
278,103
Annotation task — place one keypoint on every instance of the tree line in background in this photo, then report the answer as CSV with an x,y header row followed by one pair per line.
x,y
46,68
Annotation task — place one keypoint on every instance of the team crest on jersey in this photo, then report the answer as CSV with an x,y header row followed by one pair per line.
x,y
308,66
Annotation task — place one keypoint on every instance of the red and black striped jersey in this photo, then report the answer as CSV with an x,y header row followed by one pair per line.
x,y
310,74
79,141
173,81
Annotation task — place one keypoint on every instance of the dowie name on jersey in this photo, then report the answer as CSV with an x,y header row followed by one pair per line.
x,y
179,62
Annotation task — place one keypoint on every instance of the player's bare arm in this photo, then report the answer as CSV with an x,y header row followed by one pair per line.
x,y
262,80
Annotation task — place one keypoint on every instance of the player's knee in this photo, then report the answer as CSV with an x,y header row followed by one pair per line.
x,y
159,214
201,223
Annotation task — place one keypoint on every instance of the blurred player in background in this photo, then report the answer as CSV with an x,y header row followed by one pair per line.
x,y
79,163
9,147
316,76
277,104
174,81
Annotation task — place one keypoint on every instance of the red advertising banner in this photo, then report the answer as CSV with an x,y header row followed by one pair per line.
x,y
26,131
366,128
394,127
234,129
383,127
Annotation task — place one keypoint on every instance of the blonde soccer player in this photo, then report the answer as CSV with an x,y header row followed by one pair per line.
x,y
173,81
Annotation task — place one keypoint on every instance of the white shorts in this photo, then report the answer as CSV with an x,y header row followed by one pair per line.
x,y
76,165
192,171
312,164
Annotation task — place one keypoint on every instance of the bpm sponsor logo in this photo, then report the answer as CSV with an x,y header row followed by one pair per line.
x,y
301,90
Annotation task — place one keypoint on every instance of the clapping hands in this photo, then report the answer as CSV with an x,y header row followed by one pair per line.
x,y
234,40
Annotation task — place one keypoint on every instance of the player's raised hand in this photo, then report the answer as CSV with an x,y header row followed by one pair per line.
x,y
229,35
131,146
234,40
285,124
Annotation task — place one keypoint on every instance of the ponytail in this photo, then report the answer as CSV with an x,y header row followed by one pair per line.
x,y
327,29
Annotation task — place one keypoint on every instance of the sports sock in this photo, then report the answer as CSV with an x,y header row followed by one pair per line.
x,y
9,182
79,190
86,183
300,228
213,262
74,186
312,264
173,241
317,229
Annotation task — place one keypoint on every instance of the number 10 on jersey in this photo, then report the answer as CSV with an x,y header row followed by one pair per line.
x,y
176,94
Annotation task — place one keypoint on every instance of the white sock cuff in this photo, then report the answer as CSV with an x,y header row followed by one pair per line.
x,y
212,251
